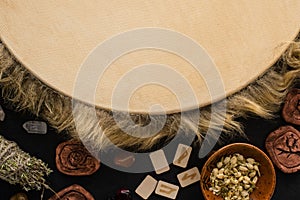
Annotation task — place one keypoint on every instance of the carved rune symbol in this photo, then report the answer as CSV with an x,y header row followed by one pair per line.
x,y
291,143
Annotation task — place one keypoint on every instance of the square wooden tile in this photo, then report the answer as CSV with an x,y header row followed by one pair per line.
x,y
159,161
182,155
167,190
146,187
189,177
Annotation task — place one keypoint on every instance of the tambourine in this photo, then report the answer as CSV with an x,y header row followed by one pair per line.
x,y
137,73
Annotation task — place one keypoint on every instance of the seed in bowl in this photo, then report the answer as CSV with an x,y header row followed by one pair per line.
x,y
234,177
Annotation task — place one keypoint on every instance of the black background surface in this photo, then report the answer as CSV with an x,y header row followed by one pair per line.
x,y
106,181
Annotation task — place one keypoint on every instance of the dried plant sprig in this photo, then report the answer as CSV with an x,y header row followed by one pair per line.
x,y
18,167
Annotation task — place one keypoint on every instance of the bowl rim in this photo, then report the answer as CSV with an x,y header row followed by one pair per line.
x,y
212,156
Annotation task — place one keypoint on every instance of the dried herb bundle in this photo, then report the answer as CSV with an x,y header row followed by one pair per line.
x,y
18,167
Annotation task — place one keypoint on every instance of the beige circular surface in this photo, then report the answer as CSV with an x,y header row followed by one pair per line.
x,y
243,38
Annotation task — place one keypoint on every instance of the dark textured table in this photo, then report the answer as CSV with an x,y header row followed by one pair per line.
x,y
106,181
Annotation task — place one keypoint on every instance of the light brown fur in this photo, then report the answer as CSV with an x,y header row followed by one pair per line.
x,y
264,98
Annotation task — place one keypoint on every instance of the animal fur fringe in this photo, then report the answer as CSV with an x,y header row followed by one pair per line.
x,y
264,98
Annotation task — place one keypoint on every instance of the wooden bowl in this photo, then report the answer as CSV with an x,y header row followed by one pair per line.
x,y
266,182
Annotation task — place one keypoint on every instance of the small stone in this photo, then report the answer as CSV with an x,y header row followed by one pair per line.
x,y
124,159
123,194
19,196
36,127
2,114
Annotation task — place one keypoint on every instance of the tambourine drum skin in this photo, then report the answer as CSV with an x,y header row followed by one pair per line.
x,y
49,43
52,40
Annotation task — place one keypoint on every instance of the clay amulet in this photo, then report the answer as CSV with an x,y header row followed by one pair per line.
x,y
72,158
291,108
74,192
283,146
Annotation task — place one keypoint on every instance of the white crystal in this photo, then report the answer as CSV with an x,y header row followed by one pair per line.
x,y
37,127
2,114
